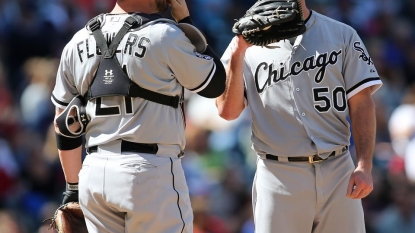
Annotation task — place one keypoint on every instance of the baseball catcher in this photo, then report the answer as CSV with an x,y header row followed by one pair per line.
x,y
269,21
121,82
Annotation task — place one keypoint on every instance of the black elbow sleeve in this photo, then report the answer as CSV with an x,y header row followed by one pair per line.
x,y
216,85
66,143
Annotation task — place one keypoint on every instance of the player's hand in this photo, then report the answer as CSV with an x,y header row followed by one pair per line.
x,y
360,183
239,44
179,9
70,196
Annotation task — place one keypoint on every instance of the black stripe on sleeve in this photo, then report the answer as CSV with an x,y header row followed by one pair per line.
x,y
245,91
216,85
59,102
204,82
178,196
361,83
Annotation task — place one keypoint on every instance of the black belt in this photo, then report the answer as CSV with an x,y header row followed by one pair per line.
x,y
127,146
311,159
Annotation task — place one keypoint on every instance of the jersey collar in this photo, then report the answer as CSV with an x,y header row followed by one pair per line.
x,y
309,22
309,16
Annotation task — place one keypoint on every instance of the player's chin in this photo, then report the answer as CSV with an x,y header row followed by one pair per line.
x,y
162,5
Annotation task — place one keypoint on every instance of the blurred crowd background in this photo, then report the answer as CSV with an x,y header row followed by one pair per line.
x,y
219,162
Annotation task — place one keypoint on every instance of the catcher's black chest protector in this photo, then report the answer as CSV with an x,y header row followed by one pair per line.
x,y
110,79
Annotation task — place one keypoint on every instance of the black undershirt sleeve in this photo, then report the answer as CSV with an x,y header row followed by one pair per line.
x,y
216,85
187,20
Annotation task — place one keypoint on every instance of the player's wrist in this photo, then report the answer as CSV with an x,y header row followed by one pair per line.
x,y
71,194
181,17
71,186
240,45
238,52
364,165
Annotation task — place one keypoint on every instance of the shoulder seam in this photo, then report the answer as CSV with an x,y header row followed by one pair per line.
x,y
326,18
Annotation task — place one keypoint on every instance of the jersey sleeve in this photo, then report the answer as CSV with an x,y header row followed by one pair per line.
x,y
359,72
227,55
64,89
193,70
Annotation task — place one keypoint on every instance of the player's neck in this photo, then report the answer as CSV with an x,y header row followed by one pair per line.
x,y
131,6
306,11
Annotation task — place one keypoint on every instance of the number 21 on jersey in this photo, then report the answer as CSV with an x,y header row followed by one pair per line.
x,y
101,111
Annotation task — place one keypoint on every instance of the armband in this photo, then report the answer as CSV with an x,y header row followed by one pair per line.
x,y
72,186
65,143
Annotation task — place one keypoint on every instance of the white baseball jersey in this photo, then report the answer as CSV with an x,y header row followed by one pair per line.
x,y
158,57
297,92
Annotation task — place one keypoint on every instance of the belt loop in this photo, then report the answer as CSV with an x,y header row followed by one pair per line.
x,y
113,147
283,159
344,149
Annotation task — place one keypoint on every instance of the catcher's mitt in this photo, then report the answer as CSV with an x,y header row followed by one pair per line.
x,y
269,21
69,218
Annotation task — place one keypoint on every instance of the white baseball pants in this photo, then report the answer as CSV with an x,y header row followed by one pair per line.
x,y
300,197
131,193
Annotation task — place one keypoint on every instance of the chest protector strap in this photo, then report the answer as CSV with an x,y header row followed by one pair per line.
x,y
110,79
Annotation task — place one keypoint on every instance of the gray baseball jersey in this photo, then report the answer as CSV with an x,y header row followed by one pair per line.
x,y
297,92
158,57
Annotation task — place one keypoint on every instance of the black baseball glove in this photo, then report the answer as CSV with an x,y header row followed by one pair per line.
x,y
269,21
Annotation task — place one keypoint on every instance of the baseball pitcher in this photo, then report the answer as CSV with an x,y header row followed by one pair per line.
x,y
300,90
